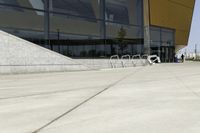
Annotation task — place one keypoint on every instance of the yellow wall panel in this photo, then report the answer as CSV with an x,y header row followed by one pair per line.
x,y
174,14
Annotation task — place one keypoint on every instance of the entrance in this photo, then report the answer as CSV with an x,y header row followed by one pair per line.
x,y
167,53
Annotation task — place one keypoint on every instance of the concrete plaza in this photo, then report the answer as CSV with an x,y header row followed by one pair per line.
x,y
162,98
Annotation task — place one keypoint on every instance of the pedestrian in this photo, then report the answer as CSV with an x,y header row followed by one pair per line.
x,y
182,57
175,59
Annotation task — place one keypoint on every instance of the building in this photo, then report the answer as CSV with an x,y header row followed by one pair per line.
x,y
101,28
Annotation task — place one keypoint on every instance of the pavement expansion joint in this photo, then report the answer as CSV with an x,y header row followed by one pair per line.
x,y
87,100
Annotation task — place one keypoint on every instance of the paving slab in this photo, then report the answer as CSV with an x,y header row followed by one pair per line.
x,y
162,98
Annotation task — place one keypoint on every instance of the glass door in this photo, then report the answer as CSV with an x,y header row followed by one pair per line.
x,y
167,54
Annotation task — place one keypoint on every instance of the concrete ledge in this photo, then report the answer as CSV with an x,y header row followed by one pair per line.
x,y
19,69
105,63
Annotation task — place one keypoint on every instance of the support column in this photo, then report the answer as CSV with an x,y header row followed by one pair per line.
x,y
102,8
147,40
46,22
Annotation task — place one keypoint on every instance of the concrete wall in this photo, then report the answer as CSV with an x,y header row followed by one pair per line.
x,y
20,56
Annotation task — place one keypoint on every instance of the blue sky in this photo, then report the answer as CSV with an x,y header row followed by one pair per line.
x,y
195,29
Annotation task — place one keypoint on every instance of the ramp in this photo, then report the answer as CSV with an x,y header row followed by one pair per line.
x,y
20,56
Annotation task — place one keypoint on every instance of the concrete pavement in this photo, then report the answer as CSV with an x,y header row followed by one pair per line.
x,y
156,99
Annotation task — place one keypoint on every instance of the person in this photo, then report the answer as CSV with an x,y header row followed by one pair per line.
x,y
182,57
175,59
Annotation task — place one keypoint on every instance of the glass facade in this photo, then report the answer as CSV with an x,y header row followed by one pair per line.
x,y
24,18
82,28
163,43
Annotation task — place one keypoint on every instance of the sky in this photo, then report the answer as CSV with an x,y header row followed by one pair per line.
x,y
195,30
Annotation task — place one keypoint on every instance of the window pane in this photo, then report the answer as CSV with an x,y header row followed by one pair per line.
x,y
22,22
124,11
73,27
10,2
135,9
75,7
117,11
132,32
36,4
155,36
167,37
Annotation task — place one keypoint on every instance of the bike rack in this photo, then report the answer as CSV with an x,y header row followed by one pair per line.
x,y
126,59
136,57
145,56
114,64
151,62
125,62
